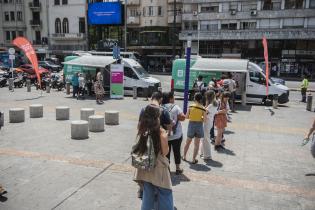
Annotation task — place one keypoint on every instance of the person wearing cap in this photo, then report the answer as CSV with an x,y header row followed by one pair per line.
x,y
75,84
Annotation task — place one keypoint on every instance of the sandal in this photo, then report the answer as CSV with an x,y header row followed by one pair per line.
x,y
194,161
184,159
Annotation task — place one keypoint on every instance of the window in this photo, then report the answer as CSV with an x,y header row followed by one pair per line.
x,y
20,33
57,26
267,5
293,4
64,2
257,77
249,6
269,23
82,25
7,35
128,72
65,26
12,15
248,25
229,26
211,25
159,11
13,34
19,16
233,6
312,4
150,11
38,37
5,1
210,9
6,16
293,22
57,2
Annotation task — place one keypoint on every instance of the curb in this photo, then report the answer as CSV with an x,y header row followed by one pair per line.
x,y
297,89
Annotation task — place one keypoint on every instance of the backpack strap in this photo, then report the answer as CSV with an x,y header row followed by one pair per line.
x,y
197,108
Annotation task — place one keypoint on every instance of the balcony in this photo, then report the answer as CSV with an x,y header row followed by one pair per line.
x,y
35,6
68,36
172,1
298,33
36,23
133,2
170,19
133,20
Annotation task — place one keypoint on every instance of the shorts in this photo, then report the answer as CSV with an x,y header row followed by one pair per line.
x,y
195,129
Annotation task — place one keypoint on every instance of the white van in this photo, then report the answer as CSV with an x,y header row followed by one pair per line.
x,y
249,76
134,73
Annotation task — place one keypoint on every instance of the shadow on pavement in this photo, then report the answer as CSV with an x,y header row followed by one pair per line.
x,y
240,108
213,163
227,132
177,179
3,198
199,167
227,152
29,99
310,174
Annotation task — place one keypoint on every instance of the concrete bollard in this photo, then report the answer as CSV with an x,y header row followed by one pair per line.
x,y
48,87
16,115
85,113
96,123
309,102
275,101
62,113
11,84
111,117
68,88
1,119
28,85
134,93
36,110
79,129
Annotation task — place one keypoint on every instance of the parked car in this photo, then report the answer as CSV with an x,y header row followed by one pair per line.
x,y
28,68
50,66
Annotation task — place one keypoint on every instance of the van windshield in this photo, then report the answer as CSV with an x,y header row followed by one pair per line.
x,y
141,72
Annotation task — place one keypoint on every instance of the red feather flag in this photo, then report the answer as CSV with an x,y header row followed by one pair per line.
x,y
29,51
265,44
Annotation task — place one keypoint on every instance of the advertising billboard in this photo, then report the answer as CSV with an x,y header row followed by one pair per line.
x,y
105,13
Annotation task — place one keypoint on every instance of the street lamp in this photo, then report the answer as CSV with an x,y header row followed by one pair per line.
x,y
198,30
187,72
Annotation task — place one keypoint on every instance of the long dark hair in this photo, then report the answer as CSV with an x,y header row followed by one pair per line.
x,y
149,124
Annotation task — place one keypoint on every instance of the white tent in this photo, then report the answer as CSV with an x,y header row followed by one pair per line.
x,y
221,65
91,61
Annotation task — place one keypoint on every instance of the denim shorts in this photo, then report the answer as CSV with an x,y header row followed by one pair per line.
x,y
195,129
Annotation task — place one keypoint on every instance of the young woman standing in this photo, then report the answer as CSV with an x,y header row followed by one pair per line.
x,y
156,182
211,107
196,115
221,120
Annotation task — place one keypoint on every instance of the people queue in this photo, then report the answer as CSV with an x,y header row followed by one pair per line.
x,y
160,130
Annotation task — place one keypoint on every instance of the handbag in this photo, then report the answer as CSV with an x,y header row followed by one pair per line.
x,y
147,160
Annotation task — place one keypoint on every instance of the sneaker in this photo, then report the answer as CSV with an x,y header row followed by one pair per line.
x,y
212,141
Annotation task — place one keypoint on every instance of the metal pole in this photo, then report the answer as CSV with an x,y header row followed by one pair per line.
x,y
125,26
198,33
186,90
174,29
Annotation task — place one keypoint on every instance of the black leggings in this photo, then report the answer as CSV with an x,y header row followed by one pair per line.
x,y
176,143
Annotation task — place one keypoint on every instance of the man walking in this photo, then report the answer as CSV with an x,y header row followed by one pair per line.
x,y
75,84
304,86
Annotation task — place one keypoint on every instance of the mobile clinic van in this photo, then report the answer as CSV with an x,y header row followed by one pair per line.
x,y
249,76
134,73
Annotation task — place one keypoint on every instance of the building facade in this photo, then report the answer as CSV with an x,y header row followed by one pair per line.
x,y
233,28
67,26
150,32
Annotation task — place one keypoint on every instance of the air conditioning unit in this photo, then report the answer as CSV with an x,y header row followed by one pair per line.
x,y
253,12
195,13
233,12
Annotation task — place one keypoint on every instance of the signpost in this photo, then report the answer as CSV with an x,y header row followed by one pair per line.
x,y
186,90
117,81
11,57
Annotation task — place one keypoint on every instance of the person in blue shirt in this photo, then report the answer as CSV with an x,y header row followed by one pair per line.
x,y
75,84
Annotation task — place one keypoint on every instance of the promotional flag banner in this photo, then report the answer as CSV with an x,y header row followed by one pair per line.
x,y
265,44
29,51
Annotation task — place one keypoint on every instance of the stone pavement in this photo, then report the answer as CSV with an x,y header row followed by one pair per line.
x,y
42,168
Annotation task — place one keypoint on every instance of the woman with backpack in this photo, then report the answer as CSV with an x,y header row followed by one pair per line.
x,y
196,115
149,158
211,107
176,136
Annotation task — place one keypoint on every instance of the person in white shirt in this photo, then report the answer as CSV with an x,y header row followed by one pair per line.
x,y
232,89
81,84
212,108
